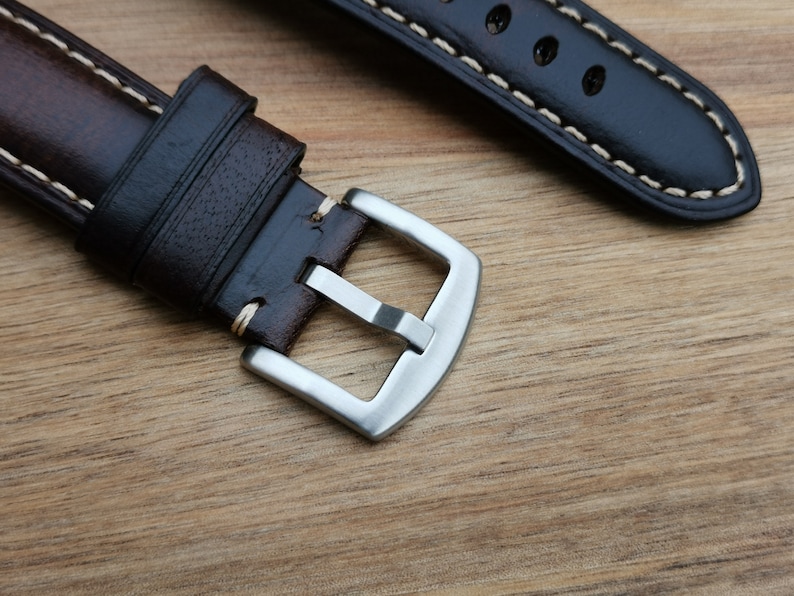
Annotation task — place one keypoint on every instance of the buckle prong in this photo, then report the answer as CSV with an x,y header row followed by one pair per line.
x,y
370,310
434,342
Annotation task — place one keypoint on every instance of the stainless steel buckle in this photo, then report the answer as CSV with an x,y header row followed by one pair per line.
x,y
434,342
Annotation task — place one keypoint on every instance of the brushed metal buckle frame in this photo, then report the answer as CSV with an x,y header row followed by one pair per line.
x,y
433,342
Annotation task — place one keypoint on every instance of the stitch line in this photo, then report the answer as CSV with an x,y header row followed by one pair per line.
x,y
42,177
105,75
244,318
247,313
80,58
324,209
525,99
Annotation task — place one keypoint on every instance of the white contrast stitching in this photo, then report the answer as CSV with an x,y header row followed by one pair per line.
x,y
63,47
42,177
87,62
248,312
573,131
245,317
324,209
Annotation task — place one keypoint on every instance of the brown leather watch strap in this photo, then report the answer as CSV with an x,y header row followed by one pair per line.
x,y
200,202
194,199
70,117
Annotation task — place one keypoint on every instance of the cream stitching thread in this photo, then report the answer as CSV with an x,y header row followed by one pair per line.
x,y
42,177
324,209
573,131
247,313
245,317
48,37
88,63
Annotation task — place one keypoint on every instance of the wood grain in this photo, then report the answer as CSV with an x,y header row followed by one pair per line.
x,y
620,421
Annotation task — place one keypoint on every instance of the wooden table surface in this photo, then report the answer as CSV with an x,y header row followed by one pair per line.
x,y
621,420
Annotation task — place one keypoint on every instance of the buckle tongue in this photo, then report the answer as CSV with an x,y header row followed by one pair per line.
x,y
434,342
370,310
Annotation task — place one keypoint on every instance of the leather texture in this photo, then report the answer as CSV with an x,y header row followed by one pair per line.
x,y
571,76
193,198
47,92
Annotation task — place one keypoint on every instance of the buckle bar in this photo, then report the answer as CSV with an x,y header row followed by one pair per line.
x,y
434,342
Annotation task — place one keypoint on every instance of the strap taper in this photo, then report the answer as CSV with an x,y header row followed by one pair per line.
x,y
566,73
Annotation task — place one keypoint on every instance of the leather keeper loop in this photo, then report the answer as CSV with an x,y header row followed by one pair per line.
x,y
184,207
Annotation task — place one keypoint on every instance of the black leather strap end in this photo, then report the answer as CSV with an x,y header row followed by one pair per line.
x,y
649,130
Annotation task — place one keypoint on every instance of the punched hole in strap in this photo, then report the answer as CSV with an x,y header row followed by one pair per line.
x,y
545,50
498,19
594,80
